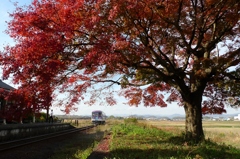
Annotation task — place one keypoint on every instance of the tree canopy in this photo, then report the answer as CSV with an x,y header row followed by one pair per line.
x,y
187,48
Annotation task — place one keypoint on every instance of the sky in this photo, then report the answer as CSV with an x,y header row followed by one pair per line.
x,y
6,6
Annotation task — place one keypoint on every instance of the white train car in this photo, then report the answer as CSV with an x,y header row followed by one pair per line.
x,y
98,117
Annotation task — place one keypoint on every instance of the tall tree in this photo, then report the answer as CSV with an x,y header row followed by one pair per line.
x,y
146,46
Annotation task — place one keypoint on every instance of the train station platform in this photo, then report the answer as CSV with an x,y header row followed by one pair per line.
x,y
17,131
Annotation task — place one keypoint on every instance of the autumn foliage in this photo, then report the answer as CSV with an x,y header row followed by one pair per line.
x,y
17,106
187,49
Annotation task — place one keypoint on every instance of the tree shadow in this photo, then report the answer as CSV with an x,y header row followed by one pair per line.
x,y
178,148
79,142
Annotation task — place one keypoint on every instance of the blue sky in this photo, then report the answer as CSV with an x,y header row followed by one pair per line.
x,y
7,6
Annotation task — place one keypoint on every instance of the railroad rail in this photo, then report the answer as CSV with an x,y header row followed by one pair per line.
x,y
26,141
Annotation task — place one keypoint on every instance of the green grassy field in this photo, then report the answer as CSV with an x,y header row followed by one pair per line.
x,y
161,140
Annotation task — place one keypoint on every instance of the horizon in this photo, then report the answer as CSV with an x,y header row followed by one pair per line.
x,y
140,110
162,116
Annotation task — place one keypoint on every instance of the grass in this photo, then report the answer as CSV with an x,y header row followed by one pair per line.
x,y
141,141
132,139
227,132
81,145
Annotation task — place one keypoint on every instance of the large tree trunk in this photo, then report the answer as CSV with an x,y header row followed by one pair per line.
x,y
193,121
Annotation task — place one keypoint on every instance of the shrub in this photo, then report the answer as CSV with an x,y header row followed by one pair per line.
x,y
130,121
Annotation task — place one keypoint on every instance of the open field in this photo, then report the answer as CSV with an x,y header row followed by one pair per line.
x,y
227,132
158,140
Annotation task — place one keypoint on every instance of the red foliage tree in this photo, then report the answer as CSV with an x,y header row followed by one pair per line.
x,y
146,46
13,106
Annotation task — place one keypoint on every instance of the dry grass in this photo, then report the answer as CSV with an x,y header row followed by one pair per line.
x,y
86,122
78,122
227,132
228,136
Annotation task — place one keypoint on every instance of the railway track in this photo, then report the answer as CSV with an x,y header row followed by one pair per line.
x,y
27,141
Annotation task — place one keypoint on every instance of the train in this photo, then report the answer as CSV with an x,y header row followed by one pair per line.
x,y
98,117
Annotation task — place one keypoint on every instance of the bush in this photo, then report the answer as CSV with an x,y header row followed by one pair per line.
x,y
130,121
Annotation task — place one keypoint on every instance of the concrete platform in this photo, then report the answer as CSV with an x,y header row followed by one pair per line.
x,y
17,131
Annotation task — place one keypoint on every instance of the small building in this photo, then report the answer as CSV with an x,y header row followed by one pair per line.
x,y
6,86
237,117
3,102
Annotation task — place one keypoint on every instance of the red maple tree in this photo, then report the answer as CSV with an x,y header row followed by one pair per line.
x,y
148,47
20,104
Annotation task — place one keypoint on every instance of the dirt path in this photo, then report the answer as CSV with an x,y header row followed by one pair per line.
x,y
102,150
